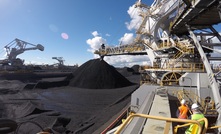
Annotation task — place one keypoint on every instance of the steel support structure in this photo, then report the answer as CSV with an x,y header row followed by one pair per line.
x,y
212,79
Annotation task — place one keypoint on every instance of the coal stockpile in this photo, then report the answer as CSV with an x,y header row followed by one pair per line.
x,y
97,74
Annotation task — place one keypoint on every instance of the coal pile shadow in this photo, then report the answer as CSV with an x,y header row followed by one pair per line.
x,y
50,83
29,115
24,76
128,71
23,109
97,74
46,84
95,123
10,87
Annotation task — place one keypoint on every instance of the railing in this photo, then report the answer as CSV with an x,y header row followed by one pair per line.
x,y
214,127
122,49
203,132
168,123
191,96
115,122
207,106
177,55
195,127
183,46
190,67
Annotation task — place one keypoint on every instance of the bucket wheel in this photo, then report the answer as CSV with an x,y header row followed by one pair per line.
x,y
170,78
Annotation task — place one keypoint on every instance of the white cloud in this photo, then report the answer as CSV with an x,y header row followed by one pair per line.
x,y
127,39
95,33
39,58
123,60
127,60
135,18
118,61
108,35
96,42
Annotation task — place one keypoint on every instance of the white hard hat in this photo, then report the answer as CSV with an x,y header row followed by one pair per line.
x,y
183,101
194,106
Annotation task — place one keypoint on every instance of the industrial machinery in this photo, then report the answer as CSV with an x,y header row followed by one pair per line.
x,y
126,49
16,47
60,60
181,40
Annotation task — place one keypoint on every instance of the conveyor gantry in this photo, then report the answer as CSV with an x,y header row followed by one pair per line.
x,y
198,13
129,49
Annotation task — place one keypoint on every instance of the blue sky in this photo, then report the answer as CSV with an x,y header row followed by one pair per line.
x,y
87,23
43,22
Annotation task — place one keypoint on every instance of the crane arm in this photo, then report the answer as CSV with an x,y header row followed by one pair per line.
x,y
59,59
17,46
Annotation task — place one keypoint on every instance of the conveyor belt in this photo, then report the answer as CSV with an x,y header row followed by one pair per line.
x,y
202,14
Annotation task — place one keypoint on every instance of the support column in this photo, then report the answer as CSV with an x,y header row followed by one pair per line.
x,y
212,80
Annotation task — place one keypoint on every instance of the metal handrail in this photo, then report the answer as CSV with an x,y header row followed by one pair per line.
x,y
188,124
122,49
192,67
214,127
192,96
180,96
168,122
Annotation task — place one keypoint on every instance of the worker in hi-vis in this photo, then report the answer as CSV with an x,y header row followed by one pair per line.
x,y
193,128
183,110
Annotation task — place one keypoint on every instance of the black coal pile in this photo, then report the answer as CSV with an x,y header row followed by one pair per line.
x,y
97,74
136,69
126,71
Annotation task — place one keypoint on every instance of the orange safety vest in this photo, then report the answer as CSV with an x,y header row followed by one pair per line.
x,y
183,112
